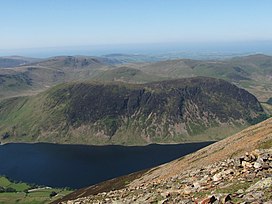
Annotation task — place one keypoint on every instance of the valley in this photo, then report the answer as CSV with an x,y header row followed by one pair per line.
x,y
136,101
252,72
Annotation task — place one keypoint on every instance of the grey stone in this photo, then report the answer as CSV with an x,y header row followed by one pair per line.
x,y
262,184
257,165
240,191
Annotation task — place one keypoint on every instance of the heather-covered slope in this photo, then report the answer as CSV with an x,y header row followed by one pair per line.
x,y
194,109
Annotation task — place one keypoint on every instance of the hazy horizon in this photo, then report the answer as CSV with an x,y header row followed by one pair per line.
x,y
234,48
42,28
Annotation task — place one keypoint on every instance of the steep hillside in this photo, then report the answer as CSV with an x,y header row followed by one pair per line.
x,y
193,109
231,170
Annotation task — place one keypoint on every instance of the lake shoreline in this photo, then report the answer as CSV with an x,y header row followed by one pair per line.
x,y
76,166
99,145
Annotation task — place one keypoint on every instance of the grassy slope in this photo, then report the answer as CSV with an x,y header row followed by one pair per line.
x,y
126,74
38,76
28,194
78,112
25,114
267,107
256,136
252,72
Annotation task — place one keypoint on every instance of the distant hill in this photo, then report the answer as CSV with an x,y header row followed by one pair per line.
x,y
76,62
194,109
253,72
14,61
12,82
133,58
127,74
49,72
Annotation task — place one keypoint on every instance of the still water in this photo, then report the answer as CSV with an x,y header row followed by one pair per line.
x,y
78,166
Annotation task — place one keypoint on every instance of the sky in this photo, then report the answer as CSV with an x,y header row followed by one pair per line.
x,y
66,23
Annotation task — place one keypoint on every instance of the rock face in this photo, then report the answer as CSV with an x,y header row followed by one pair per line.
x,y
168,111
228,181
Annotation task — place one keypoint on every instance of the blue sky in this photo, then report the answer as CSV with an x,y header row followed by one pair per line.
x,y
61,23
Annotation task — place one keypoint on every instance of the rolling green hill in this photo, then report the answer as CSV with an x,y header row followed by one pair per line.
x,y
14,61
38,76
254,72
193,109
127,74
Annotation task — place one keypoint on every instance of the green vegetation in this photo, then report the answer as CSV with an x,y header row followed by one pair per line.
x,y
19,192
231,189
126,74
258,119
266,145
250,72
268,108
182,110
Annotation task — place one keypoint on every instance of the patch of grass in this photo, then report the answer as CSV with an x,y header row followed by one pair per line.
x,y
27,194
228,190
235,187
19,186
267,107
4,182
267,194
266,145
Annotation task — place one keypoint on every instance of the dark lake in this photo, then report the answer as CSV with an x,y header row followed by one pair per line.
x,y
78,166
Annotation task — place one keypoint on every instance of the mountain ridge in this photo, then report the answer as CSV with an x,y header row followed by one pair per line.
x,y
252,73
193,109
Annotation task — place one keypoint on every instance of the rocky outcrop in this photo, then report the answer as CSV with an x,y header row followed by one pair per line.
x,y
245,179
234,170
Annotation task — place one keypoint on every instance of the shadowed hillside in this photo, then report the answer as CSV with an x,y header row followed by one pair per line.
x,y
194,109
